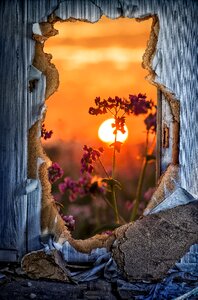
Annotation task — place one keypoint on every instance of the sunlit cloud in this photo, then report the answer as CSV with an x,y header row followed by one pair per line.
x,y
101,59
104,28
124,41
75,57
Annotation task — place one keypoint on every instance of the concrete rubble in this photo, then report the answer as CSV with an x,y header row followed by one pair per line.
x,y
143,250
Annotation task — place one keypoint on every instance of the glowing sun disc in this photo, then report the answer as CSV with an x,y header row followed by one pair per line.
x,y
105,132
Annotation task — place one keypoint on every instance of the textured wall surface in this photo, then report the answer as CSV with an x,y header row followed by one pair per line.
x,y
18,111
174,64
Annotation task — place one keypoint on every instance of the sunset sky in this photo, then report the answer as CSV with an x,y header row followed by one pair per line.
x,y
101,59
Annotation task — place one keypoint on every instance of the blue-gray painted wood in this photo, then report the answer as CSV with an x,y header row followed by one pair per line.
x,y
82,10
13,125
8,255
178,197
166,151
18,111
175,65
189,262
33,220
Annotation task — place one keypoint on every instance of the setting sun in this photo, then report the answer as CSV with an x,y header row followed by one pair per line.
x,y
106,135
100,59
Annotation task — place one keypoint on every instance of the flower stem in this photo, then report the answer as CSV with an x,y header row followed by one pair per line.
x,y
139,190
114,156
152,147
109,203
103,167
117,219
140,181
113,193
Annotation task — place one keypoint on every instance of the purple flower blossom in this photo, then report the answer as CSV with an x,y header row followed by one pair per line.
x,y
138,104
119,125
54,172
69,222
85,185
90,155
108,232
135,104
150,122
57,197
44,133
119,108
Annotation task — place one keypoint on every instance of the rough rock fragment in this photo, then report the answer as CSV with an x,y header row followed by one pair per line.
x,y
38,264
152,245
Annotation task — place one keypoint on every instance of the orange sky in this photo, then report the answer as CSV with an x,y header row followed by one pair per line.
x,y
100,59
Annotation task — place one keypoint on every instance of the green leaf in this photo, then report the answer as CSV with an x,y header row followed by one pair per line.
x,y
150,158
117,145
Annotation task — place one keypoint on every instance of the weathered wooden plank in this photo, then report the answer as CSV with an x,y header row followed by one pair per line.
x,y
159,135
177,44
81,10
13,158
111,9
37,11
8,255
16,116
177,52
166,134
33,220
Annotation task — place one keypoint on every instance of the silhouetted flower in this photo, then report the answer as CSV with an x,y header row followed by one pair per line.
x,y
90,155
55,172
117,145
135,104
98,186
44,133
138,104
105,106
119,125
150,122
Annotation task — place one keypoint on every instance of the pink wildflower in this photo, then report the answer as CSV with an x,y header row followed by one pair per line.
x,y
85,185
69,222
55,172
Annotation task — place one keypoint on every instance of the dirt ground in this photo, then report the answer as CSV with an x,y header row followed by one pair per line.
x,y
16,286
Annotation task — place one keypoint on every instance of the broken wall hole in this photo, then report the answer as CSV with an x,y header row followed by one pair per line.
x,y
50,220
